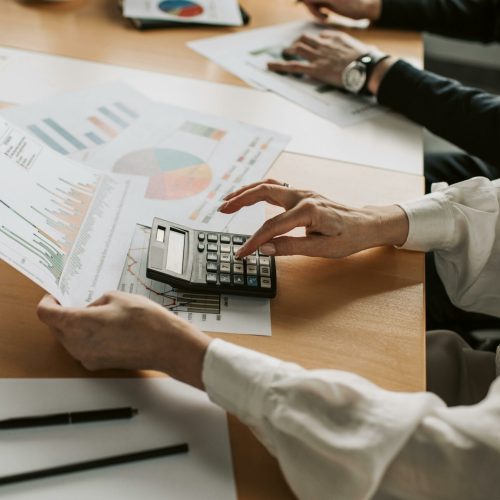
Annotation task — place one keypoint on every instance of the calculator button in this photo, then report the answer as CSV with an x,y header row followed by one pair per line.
x,y
212,257
252,261
252,281
213,247
265,282
236,248
265,261
211,278
238,280
265,271
239,261
225,257
201,247
201,236
238,268
225,279
238,240
225,267
212,237
252,270
225,238
212,267
225,248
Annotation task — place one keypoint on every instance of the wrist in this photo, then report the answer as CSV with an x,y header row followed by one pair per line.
x,y
389,225
379,73
373,9
182,352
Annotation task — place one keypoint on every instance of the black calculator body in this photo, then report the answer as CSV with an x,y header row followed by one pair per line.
x,y
204,261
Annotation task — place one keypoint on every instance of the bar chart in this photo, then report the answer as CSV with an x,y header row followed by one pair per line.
x,y
69,134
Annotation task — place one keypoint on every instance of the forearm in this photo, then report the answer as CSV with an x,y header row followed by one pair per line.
x,y
338,435
467,19
466,117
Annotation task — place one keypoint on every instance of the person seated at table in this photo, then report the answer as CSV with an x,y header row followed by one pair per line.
x,y
335,434
464,116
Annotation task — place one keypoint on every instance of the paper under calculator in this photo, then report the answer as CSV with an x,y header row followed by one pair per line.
x,y
205,262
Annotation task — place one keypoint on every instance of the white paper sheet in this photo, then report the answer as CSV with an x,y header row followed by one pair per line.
x,y
189,160
223,12
209,312
247,54
65,226
169,413
389,141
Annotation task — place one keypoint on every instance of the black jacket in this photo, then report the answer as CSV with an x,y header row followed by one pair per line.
x,y
467,117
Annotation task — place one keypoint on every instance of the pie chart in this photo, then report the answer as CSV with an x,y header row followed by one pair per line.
x,y
181,8
173,174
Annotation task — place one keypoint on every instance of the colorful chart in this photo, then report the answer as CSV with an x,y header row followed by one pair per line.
x,y
181,8
173,174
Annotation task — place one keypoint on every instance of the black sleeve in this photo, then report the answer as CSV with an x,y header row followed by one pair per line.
x,y
467,19
467,117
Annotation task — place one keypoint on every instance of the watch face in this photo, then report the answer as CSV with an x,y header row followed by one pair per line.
x,y
354,77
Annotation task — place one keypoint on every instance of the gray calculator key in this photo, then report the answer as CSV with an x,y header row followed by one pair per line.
x,y
213,247
265,261
238,280
225,267
212,237
212,267
238,268
225,257
212,257
225,248
201,236
236,248
238,240
252,270
225,279
201,247
252,281
265,271
252,261
225,238
265,282
211,278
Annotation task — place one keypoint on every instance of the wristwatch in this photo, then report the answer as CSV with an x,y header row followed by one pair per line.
x,y
356,75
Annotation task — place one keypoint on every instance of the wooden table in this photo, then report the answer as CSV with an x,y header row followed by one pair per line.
x,y
364,313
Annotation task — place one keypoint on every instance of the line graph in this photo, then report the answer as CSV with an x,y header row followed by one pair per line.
x,y
134,280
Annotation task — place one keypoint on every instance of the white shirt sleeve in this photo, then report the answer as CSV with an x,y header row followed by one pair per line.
x,y
461,223
336,435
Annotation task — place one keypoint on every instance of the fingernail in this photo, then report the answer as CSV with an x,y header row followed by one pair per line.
x,y
267,249
222,207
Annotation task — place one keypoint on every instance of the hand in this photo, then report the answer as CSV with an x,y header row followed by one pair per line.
x,y
332,230
326,56
130,332
355,9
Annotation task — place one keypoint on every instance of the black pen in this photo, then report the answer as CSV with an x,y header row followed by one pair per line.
x,y
95,464
77,417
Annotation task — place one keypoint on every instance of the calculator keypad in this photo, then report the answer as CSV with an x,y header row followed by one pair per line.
x,y
224,268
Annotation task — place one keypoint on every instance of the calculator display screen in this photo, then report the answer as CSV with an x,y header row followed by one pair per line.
x,y
175,251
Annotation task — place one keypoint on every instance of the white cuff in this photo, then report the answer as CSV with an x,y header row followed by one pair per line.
x,y
237,378
431,223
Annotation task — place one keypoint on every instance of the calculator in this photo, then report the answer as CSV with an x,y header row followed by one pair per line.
x,y
204,261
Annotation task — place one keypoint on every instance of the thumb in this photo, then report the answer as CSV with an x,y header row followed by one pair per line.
x,y
312,246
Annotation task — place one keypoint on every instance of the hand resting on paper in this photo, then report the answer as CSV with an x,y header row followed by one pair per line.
x,y
327,55
130,332
331,229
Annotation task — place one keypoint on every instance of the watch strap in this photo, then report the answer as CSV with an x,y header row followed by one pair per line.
x,y
370,61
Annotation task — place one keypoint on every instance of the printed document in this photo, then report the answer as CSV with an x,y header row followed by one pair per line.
x,y
247,54
63,225
223,12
